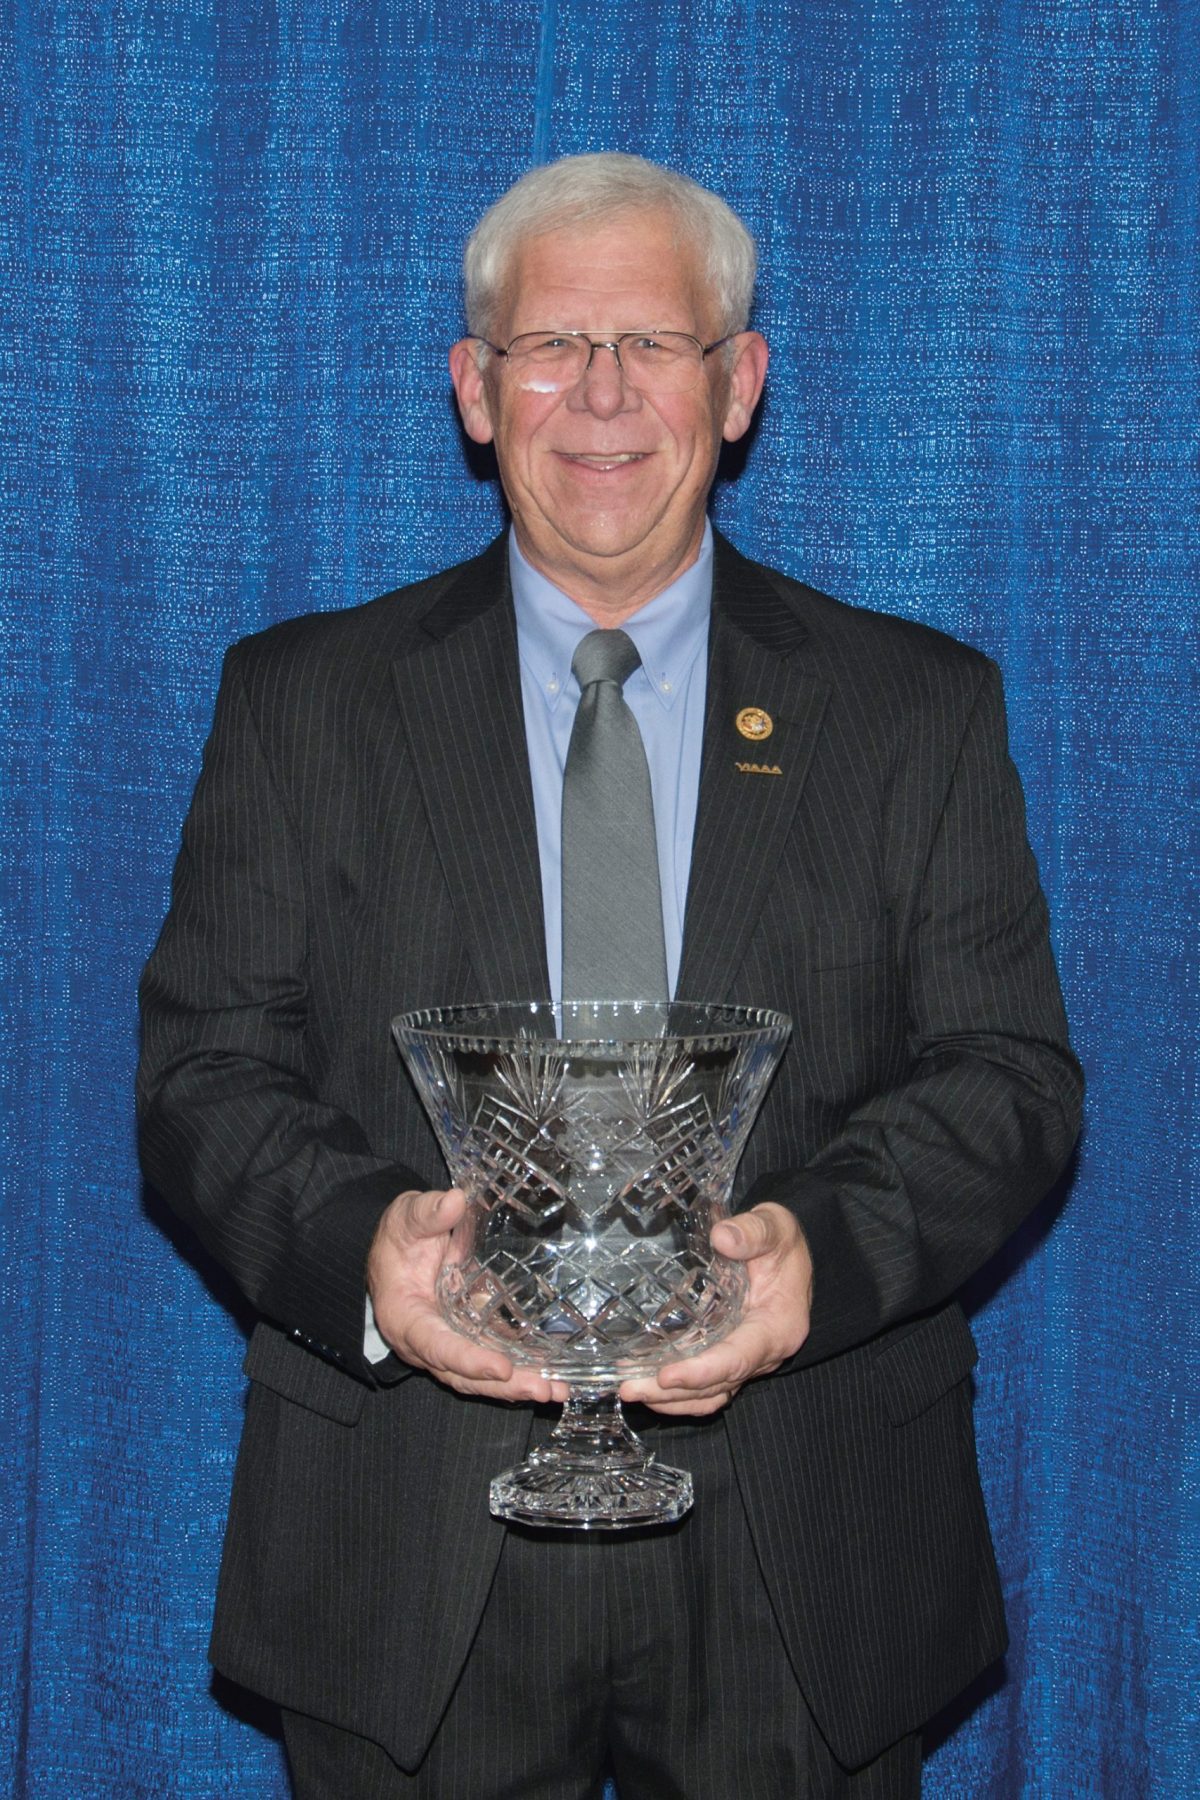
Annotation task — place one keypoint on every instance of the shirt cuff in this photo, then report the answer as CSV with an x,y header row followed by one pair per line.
x,y
374,1348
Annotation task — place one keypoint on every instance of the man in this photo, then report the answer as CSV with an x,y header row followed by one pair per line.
x,y
839,833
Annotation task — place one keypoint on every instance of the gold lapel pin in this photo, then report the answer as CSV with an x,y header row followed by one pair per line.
x,y
758,768
754,723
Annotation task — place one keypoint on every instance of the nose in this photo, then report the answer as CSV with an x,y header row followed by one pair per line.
x,y
602,388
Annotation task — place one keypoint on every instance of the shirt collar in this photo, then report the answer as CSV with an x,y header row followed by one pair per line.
x,y
670,631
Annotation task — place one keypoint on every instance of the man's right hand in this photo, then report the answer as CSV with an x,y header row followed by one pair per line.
x,y
413,1240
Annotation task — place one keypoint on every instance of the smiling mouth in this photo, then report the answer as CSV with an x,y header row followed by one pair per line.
x,y
598,459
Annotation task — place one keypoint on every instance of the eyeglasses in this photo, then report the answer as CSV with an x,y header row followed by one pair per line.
x,y
654,362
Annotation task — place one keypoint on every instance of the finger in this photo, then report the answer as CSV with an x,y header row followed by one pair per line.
x,y
702,1407
436,1346
725,1365
746,1352
650,1394
526,1387
475,1369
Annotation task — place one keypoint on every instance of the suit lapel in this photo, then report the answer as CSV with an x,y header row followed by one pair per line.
x,y
459,689
744,813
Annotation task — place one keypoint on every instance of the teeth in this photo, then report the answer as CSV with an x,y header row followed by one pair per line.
x,y
589,457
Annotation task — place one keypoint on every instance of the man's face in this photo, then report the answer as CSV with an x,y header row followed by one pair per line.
x,y
607,485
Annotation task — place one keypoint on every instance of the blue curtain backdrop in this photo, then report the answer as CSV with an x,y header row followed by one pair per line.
x,y
231,235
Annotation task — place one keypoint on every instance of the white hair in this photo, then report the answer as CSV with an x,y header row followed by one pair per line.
x,y
579,188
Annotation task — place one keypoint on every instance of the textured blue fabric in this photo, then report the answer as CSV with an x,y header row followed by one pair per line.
x,y
230,236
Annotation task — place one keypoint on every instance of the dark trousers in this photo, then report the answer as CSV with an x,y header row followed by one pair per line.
x,y
650,1656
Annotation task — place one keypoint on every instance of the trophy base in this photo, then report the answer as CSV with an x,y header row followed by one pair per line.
x,y
594,1474
592,1500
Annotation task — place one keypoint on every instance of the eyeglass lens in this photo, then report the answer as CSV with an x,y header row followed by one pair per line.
x,y
662,362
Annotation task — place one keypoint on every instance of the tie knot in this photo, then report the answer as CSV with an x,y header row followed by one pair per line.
x,y
605,656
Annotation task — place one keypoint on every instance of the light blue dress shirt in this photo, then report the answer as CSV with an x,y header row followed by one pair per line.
x,y
666,696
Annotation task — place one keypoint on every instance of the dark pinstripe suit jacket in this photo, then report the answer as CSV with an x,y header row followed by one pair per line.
x,y
362,841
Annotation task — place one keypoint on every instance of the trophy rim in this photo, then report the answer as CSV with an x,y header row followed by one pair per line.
x,y
736,1021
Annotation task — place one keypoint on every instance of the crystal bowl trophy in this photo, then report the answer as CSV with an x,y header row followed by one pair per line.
x,y
596,1143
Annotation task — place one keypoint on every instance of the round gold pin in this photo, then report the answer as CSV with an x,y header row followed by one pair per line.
x,y
754,723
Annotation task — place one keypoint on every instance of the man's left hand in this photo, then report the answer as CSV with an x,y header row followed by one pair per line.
x,y
773,1325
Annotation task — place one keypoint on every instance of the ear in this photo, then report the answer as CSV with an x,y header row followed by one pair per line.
x,y
747,372
470,389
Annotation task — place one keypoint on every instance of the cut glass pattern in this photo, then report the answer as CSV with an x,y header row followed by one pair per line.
x,y
596,1143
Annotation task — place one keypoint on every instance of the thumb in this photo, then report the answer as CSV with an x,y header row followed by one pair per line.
x,y
433,1213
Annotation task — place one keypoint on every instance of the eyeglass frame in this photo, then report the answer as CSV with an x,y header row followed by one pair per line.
x,y
614,344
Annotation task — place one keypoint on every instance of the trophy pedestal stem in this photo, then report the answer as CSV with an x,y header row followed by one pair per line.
x,y
594,1473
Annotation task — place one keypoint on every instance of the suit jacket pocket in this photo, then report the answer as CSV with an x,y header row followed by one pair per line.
x,y
296,1374
919,1363
848,943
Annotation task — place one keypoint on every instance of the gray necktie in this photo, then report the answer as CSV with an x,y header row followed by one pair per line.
x,y
612,924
